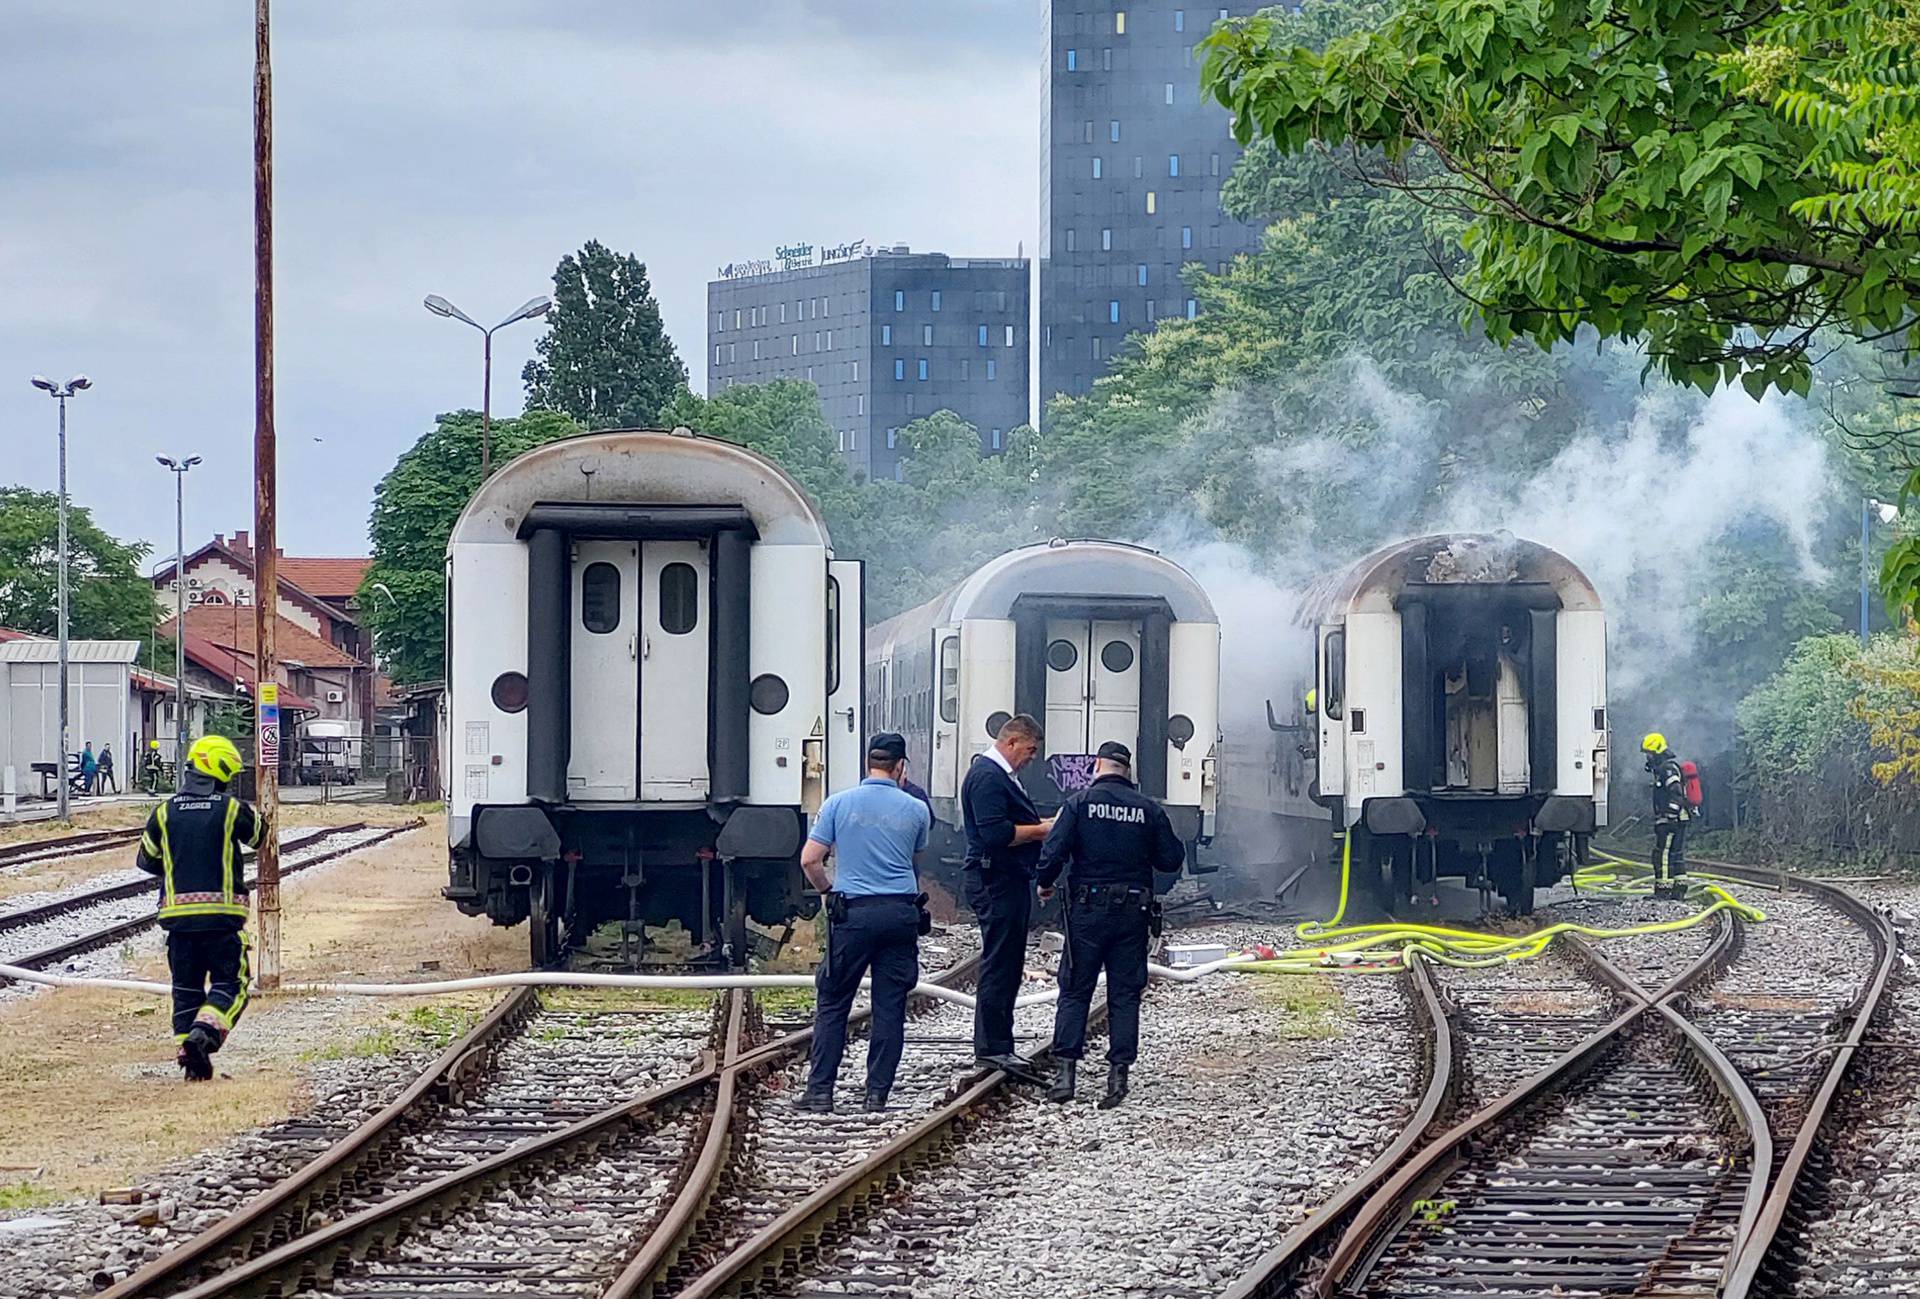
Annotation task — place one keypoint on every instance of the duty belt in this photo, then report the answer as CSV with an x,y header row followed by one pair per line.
x,y
1110,895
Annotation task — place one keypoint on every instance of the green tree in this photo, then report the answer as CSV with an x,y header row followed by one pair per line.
x,y
1616,169
109,598
605,359
414,510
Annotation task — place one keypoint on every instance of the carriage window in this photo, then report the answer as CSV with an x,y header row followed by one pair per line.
x,y
600,598
1061,656
1333,697
950,679
679,599
1116,656
833,635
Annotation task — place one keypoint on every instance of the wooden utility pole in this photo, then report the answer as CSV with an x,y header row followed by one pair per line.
x,y
266,566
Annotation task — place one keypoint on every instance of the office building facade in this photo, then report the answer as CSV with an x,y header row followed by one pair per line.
x,y
1131,167
888,337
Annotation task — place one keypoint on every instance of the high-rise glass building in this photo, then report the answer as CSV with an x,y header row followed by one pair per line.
x,y
1131,167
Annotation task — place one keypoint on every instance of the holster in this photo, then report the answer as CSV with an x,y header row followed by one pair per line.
x,y
837,908
1156,918
926,917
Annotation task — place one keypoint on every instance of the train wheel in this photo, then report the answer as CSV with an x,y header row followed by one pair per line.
x,y
543,916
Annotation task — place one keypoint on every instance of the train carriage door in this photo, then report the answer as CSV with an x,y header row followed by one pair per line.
x,y
605,682
1113,702
1067,685
846,628
674,659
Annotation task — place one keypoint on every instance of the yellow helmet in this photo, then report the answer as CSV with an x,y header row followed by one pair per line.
x,y
153,744
1312,702
1654,743
216,756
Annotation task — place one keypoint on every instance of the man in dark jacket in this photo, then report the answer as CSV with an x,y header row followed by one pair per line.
x,y
1670,813
1110,839
1004,831
193,842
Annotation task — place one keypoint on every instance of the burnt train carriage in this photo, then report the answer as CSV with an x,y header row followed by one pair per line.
x,y
653,679
1099,640
1461,727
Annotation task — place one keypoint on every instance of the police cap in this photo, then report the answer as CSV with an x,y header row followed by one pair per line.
x,y
889,745
1114,751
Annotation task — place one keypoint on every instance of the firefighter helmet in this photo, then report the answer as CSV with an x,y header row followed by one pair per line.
x,y
1654,743
216,756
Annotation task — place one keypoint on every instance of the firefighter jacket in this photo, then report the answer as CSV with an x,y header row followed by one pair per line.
x,y
1112,834
1669,794
192,842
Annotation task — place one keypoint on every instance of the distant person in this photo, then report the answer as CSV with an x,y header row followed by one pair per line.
x,y
874,919
106,770
89,768
150,767
1004,831
1670,813
192,843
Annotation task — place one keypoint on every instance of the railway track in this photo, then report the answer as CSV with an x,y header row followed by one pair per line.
x,y
114,913
72,845
1641,1159
508,1129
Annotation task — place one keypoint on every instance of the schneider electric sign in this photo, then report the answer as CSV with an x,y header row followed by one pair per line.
x,y
793,257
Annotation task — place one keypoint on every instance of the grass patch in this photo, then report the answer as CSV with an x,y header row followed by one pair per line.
x,y
437,1027
588,1000
371,1045
25,1195
1306,1001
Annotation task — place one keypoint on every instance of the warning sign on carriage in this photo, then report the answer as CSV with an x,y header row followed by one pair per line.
x,y
269,724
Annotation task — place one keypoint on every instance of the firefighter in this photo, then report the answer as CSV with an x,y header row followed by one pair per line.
x,y
1670,813
193,842
1110,839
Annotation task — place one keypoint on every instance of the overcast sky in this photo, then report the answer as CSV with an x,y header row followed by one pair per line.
x,y
458,147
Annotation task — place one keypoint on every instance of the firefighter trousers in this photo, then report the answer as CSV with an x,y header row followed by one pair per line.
x,y
1669,850
210,976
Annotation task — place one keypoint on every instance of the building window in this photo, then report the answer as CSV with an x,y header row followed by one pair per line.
x,y
856,375
1096,167
783,313
893,438
1106,240
733,352
736,317
1069,238
809,374
1136,166
1179,20
1141,271
720,323
756,349
796,344
1087,131
1009,335
966,368
1193,308
1120,22
926,335
923,369
910,403
899,471
1096,347
936,299
996,439
1113,312
886,335
853,439
1216,164
1151,313
899,300
1153,202
1073,60
1186,236
1113,132
991,368
862,399
1106,60
716,353
899,369
1046,339
1173,164
842,435
983,335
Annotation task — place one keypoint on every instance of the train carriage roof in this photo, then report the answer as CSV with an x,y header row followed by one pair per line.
x,y
1482,558
644,466
1076,568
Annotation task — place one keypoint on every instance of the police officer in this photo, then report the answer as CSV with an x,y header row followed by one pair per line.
x,y
874,918
1110,839
1670,813
192,842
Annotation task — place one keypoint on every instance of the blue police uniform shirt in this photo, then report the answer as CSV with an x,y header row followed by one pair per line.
x,y
874,829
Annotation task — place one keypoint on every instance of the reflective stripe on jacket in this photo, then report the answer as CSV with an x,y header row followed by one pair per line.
x,y
192,842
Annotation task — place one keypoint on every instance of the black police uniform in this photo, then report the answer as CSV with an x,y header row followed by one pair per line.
x,y
1000,891
192,842
1669,816
1110,838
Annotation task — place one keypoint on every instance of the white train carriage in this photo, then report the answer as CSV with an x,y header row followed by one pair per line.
x,y
1461,727
1099,640
653,679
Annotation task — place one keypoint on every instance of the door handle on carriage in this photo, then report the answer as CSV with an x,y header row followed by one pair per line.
x,y
846,712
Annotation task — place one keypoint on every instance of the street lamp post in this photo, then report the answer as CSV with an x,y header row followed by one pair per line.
x,y
179,468
527,310
79,383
